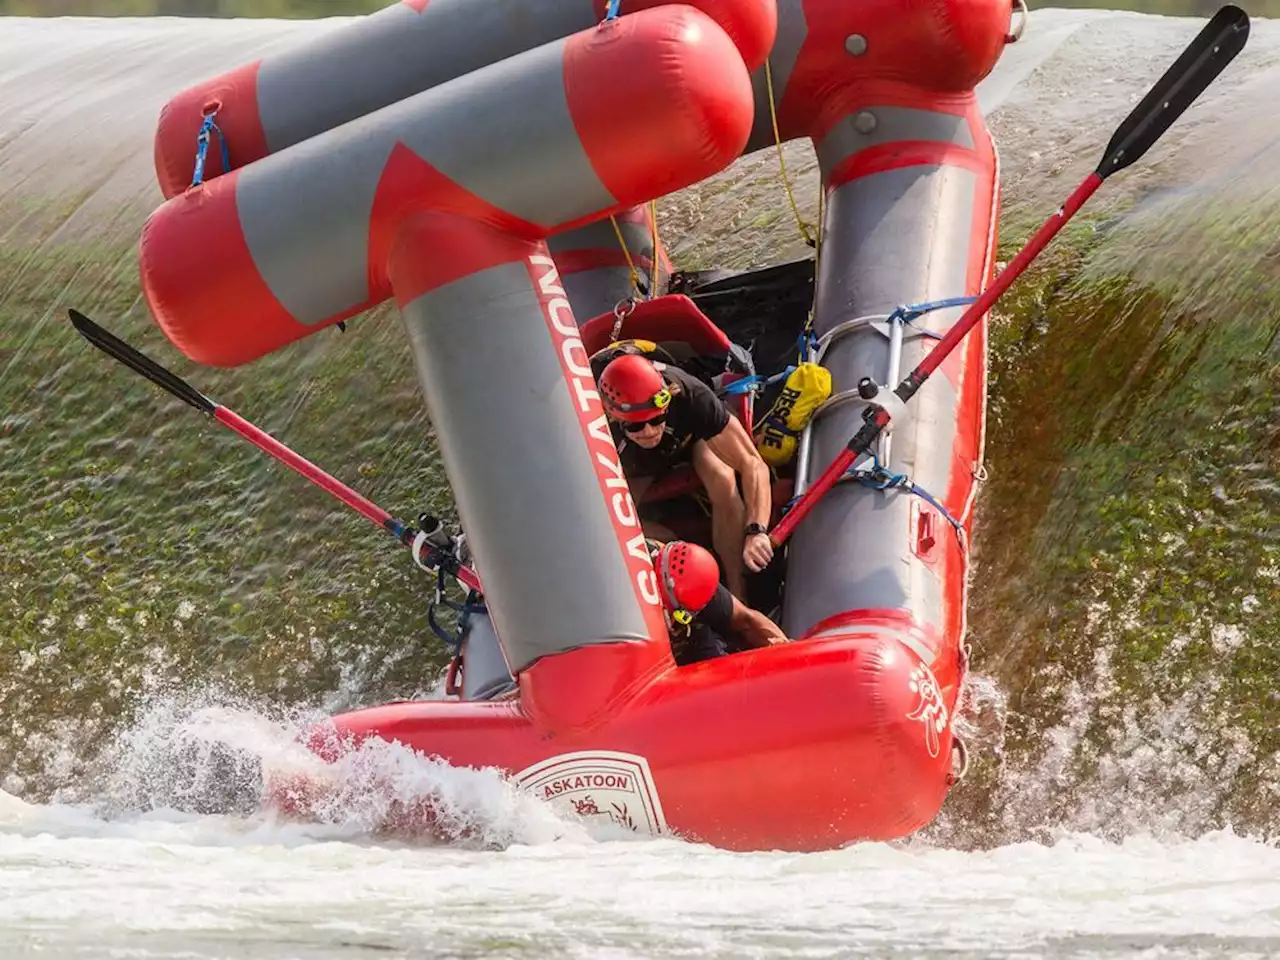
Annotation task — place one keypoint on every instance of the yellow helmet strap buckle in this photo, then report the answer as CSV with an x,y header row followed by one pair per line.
x,y
680,616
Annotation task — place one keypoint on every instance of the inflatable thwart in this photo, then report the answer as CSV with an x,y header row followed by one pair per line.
x,y
485,166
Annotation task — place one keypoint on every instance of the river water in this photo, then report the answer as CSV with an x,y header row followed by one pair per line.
x,y
83,880
111,867
74,887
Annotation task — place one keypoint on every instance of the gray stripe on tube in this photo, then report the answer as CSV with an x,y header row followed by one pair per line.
x,y
527,492
313,252
396,53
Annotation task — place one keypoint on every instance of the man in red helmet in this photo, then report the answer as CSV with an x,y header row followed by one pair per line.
x,y
668,418
704,618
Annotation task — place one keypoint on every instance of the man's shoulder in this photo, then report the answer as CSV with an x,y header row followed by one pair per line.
x,y
687,381
718,612
698,399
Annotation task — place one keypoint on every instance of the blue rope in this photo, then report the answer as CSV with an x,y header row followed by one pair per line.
x,y
808,344
878,478
464,611
202,147
747,384
611,12
909,312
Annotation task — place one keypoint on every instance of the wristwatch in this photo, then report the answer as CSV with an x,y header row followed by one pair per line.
x,y
754,528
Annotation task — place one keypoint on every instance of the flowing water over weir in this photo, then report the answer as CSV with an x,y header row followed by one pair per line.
x,y
173,605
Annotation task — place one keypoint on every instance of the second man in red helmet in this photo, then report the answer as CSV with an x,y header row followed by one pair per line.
x,y
705,620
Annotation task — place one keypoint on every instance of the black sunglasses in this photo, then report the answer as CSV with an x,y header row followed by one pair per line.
x,y
638,427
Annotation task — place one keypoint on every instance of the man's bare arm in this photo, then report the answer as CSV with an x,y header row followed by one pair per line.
x,y
754,627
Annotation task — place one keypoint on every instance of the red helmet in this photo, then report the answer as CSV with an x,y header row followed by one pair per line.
x,y
632,389
688,576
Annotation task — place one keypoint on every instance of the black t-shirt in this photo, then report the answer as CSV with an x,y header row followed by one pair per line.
x,y
708,635
695,413
718,613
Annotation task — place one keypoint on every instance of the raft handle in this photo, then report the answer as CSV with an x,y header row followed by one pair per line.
x,y
958,747
1019,7
815,353
890,325
452,681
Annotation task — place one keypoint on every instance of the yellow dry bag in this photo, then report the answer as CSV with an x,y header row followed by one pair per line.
x,y
806,389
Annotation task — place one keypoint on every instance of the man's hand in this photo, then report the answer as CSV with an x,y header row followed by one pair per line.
x,y
755,629
757,551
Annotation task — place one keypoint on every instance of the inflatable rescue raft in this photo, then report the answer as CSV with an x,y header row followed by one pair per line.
x,y
489,166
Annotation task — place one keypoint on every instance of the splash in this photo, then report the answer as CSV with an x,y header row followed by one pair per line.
x,y
202,753
1164,765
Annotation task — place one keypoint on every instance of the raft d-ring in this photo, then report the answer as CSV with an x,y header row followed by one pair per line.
x,y
1019,6
958,749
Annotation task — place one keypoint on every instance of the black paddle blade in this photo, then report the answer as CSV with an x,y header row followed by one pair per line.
x,y
1208,54
134,360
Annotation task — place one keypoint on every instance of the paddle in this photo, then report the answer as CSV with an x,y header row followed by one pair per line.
x,y
1216,45
426,553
